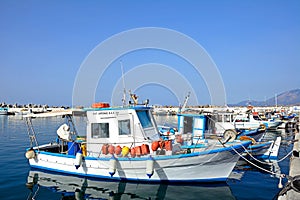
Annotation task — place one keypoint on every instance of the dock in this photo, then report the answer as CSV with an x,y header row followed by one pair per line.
x,y
291,191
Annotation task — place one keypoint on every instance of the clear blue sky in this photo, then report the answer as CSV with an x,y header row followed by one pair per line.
x,y
254,44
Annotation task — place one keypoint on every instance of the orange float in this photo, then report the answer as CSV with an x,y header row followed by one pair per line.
x,y
105,149
118,150
111,149
145,149
154,145
132,152
138,151
168,145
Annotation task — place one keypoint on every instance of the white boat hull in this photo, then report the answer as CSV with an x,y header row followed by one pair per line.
x,y
199,167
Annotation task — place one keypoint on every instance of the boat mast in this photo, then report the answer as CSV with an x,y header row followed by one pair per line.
x,y
185,102
276,100
124,88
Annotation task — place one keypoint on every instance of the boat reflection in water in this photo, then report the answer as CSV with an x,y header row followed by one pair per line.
x,y
79,188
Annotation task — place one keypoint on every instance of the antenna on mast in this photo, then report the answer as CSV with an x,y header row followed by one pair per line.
x,y
124,88
181,108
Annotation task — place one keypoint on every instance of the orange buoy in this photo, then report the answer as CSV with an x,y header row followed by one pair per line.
x,y
154,145
168,145
118,150
105,149
132,152
145,149
111,149
100,105
138,151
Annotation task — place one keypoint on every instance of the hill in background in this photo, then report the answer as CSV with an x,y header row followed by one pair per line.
x,y
288,98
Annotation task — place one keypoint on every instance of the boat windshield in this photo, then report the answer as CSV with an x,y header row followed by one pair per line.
x,y
144,118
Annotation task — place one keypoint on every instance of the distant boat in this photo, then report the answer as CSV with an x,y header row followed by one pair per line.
x,y
219,122
123,143
3,111
193,124
251,120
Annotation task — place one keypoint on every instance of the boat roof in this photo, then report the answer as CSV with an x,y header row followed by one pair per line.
x,y
120,108
80,112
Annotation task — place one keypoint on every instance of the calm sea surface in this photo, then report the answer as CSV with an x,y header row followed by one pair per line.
x,y
15,173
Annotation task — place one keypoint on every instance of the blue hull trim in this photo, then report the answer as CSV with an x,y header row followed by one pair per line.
x,y
127,179
237,147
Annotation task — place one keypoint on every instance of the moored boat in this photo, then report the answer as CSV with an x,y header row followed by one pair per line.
x,y
119,145
3,111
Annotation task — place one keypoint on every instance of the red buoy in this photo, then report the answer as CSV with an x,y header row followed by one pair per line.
x,y
154,145
138,151
145,149
111,149
118,150
105,149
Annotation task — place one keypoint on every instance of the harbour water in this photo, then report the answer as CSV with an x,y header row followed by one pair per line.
x,y
250,182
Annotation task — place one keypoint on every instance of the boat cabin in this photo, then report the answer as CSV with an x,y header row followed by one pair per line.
x,y
120,126
192,127
219,122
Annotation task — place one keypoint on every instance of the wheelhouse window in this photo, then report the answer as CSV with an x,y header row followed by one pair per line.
x,y
144,118
100,130
124,127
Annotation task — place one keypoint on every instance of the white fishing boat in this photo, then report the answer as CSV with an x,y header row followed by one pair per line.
x,y
123,143
3,111
191,124
251,120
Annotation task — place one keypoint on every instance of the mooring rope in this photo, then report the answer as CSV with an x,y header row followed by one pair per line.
x,y
263,169
267,163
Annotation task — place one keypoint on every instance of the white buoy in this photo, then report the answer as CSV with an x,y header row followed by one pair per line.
x,y
150,167
78,159
112,166
30,154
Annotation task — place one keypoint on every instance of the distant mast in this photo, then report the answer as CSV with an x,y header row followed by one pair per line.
x,y
276,100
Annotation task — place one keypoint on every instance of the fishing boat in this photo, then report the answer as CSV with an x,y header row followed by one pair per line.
x,y
266,150
252,120
3,111
123,143
191,124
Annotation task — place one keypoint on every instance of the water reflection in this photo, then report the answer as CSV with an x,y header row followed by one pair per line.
x,y
79,188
